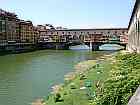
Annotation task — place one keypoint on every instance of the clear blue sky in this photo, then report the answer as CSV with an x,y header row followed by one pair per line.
x,y
73,13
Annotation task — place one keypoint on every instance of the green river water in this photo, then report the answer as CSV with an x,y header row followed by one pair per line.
x,y
29,76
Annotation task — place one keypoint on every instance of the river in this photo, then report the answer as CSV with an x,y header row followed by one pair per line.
x,y
28,76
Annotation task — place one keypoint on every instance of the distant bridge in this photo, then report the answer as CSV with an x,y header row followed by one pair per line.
x,y
90,37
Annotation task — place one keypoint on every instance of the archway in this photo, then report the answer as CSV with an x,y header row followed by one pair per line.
x,y
111,47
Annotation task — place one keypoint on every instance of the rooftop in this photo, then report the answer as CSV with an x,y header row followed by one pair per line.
x,y
5,13
92,29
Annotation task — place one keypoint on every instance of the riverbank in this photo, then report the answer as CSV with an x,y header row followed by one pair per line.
x,y
30,76
75,80
110,81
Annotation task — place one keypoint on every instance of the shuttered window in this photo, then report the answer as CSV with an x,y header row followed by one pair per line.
x,y
138,26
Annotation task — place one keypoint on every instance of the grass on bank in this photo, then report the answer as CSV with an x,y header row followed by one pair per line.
x,y
71,93
111,82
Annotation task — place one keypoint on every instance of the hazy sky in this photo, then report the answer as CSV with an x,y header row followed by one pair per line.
x,y
73,13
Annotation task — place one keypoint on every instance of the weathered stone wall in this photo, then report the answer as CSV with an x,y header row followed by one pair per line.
x,y
135,100
134,32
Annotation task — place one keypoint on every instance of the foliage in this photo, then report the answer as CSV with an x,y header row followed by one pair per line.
x,y
74,92
122,82
113,82
58,97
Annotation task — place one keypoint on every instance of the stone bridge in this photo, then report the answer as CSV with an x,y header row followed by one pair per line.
x,y
90,37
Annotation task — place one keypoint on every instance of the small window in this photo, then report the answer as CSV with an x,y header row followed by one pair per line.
x,y
87,32
69,32
62,32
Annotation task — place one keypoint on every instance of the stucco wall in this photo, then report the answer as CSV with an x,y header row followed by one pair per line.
x,y
134,32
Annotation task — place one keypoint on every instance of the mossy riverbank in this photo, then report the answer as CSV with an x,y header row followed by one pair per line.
x,y
111,80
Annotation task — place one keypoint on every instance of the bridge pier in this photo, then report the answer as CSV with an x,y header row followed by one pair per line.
x,y
95,47
124,45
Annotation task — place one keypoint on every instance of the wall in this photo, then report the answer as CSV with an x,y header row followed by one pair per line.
x,y
134,31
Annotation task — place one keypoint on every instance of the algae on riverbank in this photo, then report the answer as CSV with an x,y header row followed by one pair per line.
x,y
81,88
111,82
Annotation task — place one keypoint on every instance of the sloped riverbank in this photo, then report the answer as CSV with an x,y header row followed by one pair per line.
x,y
76,79
112,80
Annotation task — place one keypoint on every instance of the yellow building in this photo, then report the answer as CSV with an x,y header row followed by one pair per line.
x,y
27,35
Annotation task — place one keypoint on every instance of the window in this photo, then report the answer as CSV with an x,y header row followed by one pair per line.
x,y
138,26
3,22
62,32
87,32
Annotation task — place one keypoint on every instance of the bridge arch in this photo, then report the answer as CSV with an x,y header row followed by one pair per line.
x,y
96,45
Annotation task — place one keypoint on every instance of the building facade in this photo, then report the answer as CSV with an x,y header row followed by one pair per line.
x,y
3,37
134,29
26,33
8,25
15,32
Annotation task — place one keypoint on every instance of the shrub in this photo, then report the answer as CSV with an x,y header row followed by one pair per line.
x,y
123,81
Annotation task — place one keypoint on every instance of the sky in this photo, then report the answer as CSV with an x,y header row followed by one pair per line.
x,y
73,13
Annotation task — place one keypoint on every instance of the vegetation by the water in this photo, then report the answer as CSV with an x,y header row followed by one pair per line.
x,y
122,82
111,82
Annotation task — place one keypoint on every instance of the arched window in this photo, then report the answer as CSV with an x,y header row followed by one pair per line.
x,y
75,37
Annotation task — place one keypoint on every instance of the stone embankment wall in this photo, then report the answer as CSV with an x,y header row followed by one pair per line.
x,y
134,29
135,100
